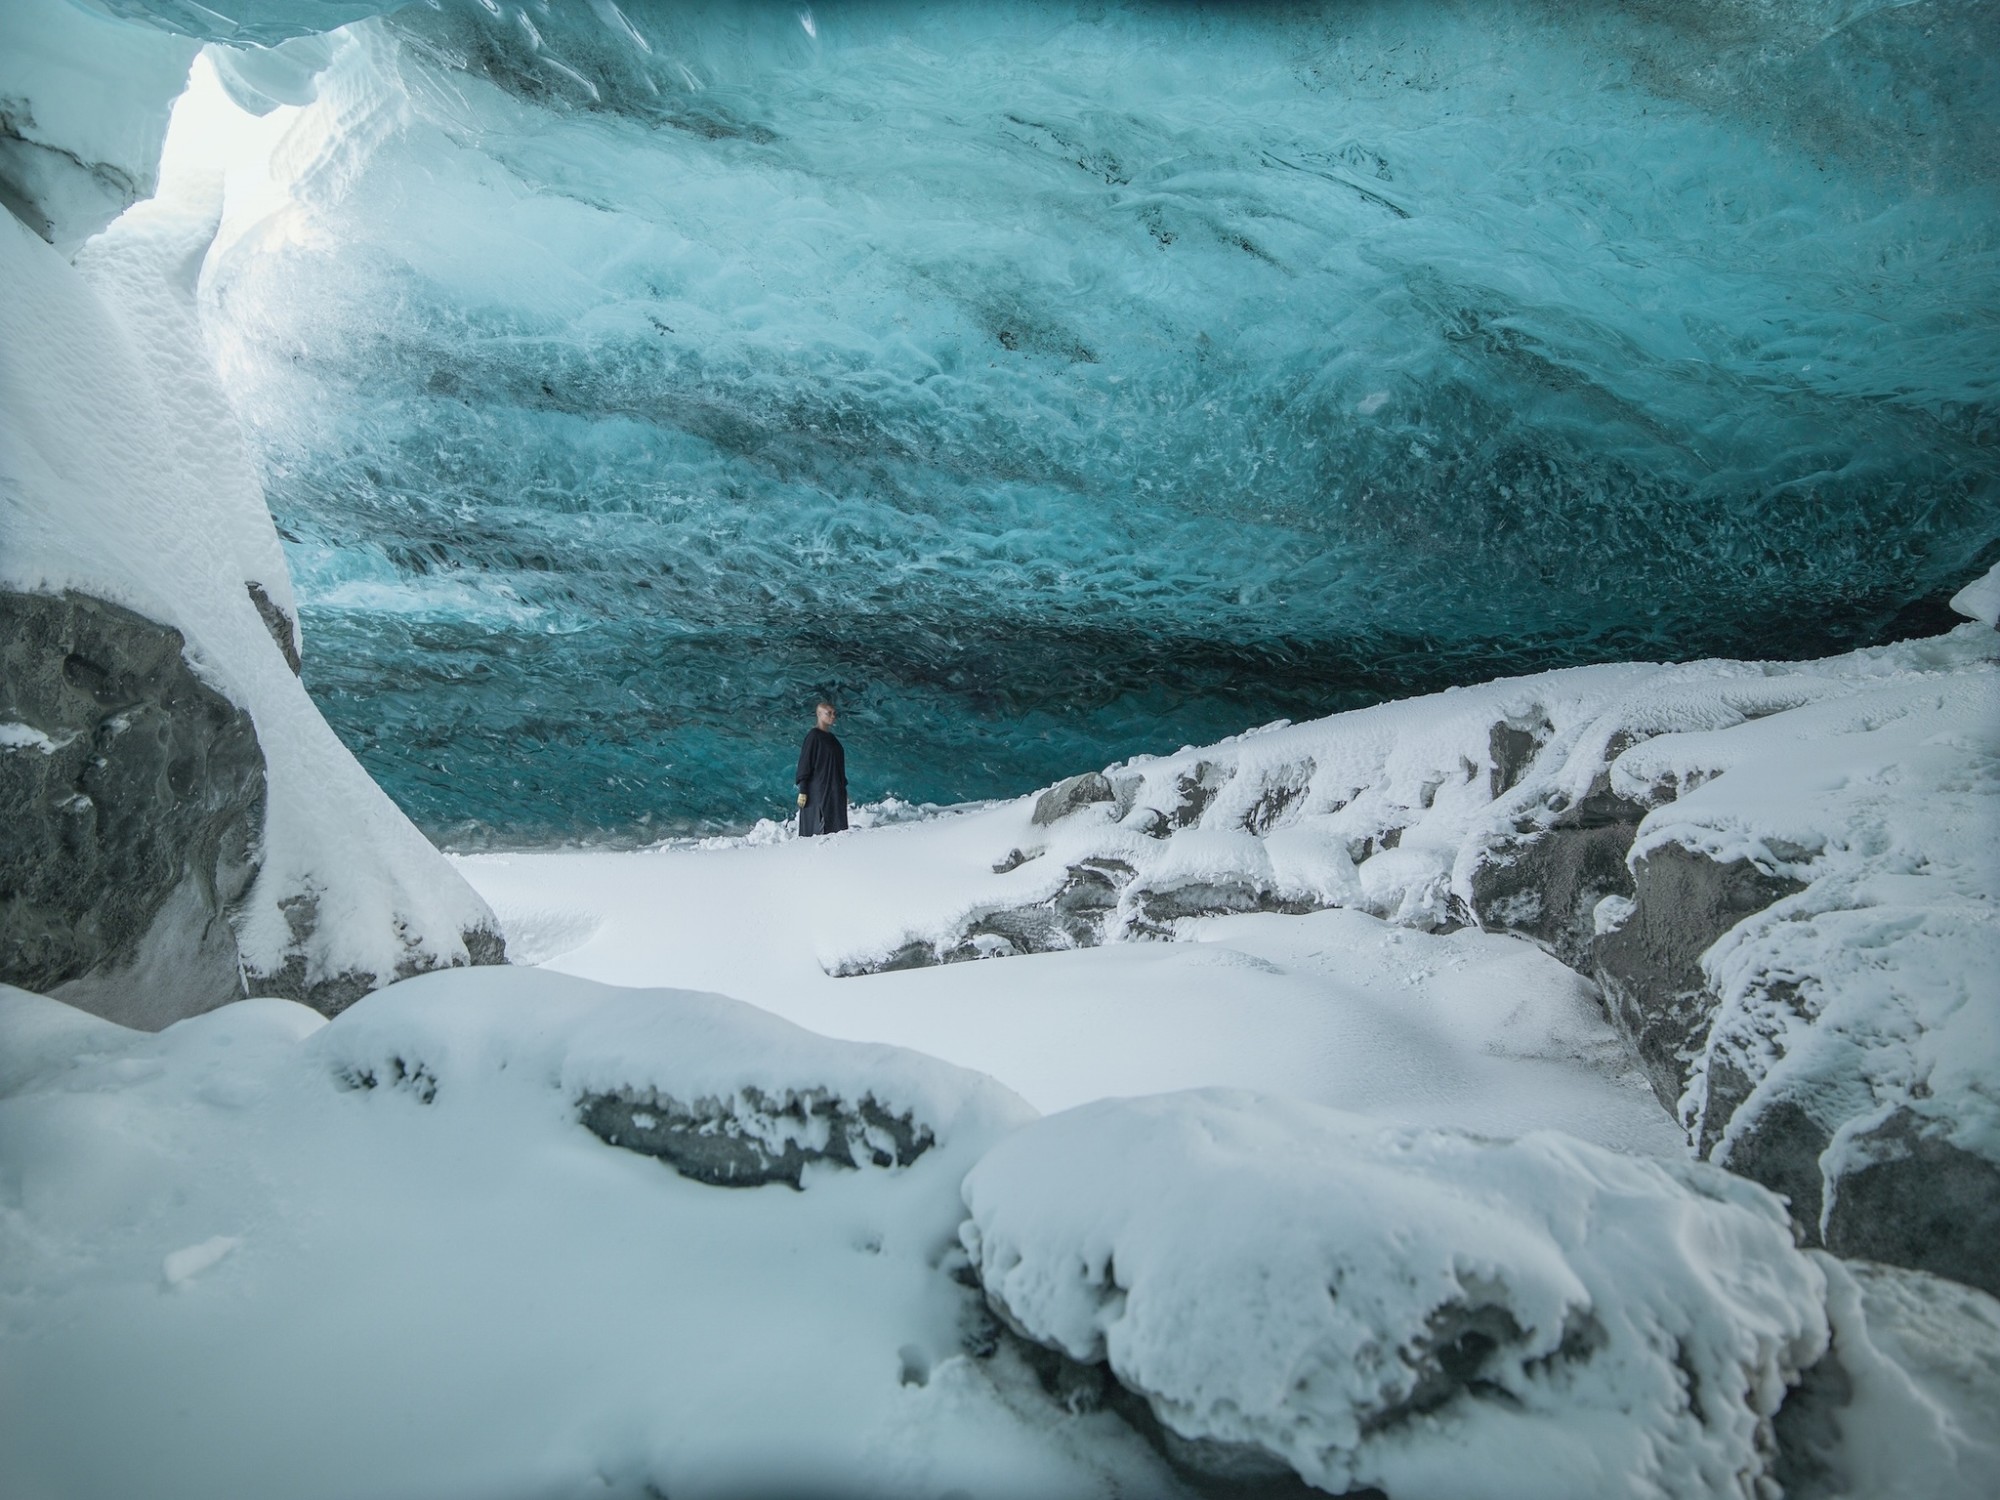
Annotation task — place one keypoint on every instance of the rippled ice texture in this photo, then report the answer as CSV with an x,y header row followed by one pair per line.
x,y
1055,382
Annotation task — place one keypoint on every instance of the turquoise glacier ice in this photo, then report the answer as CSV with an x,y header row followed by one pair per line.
x,y
1054,382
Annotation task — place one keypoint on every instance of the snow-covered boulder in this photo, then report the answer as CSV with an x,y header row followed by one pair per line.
x,y
135,804
1425,1312
724,1093
1906,1401
1807,962
126,496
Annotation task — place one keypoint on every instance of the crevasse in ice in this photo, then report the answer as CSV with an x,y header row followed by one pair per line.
x,y
1060,381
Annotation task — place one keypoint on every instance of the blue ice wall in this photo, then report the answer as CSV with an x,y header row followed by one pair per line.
x,y
1055,382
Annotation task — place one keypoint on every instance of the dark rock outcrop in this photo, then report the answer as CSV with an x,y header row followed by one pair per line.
x,y
134,797
1778,1143
1544,881
1919,1201
284,630
1650,966
1076,916
1156,910
1065,797
1510,749
1097,900
135,805
1282,790
756,1138
1195,789
1211,1468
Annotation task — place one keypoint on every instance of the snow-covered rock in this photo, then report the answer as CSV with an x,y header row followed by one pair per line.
x,y
135,806
1782,874
1424,1312
725,1093
123,481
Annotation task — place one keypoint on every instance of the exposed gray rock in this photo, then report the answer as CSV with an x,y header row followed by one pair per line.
x,y
1544,882
1919,1201
1511,748
1065,797
1282,791
1076,916
47,187
1196,788
1650,966
135,805
1155,910
1779,1144
1014,860
756,1138
284,630
1214,1469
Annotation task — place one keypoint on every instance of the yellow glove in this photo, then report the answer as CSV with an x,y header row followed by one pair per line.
x,y
802,799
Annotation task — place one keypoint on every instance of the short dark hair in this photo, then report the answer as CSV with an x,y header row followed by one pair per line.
x,y
824,702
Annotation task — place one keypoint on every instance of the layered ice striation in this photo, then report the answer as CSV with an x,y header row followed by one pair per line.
x,y
1055,382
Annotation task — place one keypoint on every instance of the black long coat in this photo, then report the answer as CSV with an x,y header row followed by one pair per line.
x,y
823,778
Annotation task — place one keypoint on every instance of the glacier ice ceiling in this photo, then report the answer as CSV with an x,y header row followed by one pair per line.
x,y
1056,382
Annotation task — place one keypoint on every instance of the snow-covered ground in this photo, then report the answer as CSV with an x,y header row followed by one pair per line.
x,y
1340,1190
1470,1030
229,1271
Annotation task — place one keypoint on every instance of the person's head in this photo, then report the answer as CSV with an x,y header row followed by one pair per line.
x,y
824,713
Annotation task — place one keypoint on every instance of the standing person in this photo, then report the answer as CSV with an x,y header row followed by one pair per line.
x,y
822,776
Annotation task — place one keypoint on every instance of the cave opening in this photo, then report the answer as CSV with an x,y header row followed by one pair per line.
x,y
1054,383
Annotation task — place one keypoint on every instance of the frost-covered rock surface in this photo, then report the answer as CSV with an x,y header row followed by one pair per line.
x,y
123,478
637,1068
1422,1312
1784,875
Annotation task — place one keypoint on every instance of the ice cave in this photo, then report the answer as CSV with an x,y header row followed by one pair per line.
x,y
1411,593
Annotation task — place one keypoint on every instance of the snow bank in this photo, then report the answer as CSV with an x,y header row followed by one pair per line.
x,y
123,477
1429,1313
1907,1402
228,1271
1980,599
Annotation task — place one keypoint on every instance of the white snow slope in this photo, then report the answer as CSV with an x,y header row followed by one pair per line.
x,y
123,475
227,1270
